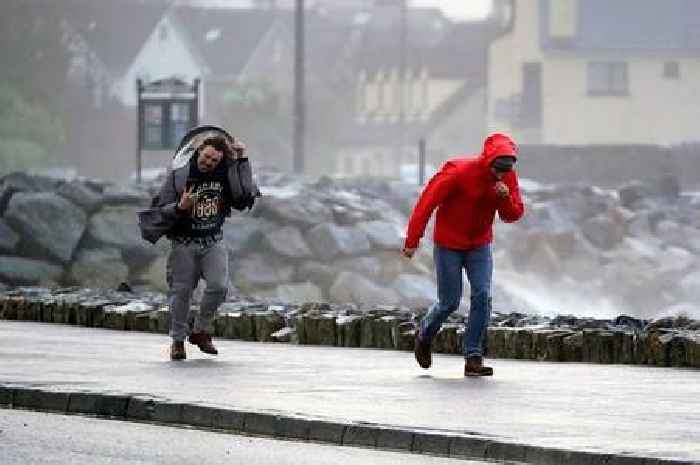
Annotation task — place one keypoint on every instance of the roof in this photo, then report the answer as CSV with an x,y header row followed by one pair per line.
x,y
225,37
461,51
632,25
102,25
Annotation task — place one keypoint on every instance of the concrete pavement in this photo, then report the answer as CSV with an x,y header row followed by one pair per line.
x,y
35,438
532,411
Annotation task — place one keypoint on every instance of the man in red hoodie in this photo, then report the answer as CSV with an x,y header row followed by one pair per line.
x,y
467,193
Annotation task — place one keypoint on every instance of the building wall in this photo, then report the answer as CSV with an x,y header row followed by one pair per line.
x,y
505,75
656,110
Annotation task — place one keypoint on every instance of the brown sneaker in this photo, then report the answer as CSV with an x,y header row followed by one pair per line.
x,y
422,352
203,341
474,366
177,351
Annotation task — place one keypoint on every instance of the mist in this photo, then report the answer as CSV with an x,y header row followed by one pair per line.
x,y
601,97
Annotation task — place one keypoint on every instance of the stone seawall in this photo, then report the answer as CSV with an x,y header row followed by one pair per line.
x,y
667,342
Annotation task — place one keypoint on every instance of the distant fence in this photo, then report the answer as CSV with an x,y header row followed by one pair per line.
x,y
610,165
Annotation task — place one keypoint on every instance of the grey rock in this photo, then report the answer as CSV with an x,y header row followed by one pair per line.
x,y
81,194
369,267
117,226
287,242
329,241
303,210
8,238
48,223
257,271
603,231
352,287
243,233
293,293
25,271
98,268
382,234
415,290
317,273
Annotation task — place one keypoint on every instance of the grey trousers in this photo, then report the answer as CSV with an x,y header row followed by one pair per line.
x,y
187,263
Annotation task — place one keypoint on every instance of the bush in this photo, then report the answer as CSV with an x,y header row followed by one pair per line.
x,y
21,155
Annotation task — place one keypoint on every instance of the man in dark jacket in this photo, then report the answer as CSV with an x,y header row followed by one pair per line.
x,y
467,193
193,203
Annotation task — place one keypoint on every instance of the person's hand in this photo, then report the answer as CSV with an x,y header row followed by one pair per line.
x,y
501,189
237,149
408,252
186,200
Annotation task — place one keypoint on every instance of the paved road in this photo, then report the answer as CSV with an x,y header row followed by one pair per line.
x,y
601,408
30,438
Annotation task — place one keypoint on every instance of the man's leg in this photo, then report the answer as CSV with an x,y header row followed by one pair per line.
x,y
448,270
215,273
214,262
479,265
181,276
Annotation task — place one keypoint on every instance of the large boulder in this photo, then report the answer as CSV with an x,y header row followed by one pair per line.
x,y
243,233
329,241
49,225
287,242
415,290
302,209
8,238
352,287
20,271
255,271
117,227
293,293
98,268
81,194
382,234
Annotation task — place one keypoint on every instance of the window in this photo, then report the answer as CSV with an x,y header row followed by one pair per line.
x,y
153,125
672,70
179,121
607,78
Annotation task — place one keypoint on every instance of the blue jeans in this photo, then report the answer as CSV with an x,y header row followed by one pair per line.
x,y
448,267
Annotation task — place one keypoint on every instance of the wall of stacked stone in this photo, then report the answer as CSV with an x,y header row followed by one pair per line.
x,y
381,327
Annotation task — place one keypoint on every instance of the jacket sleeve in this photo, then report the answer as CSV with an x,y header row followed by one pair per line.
x,y
167,197
440,186
511,208
161,216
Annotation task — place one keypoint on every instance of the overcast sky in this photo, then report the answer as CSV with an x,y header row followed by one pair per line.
x,y
459,10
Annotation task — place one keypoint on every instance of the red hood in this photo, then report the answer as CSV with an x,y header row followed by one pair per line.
x,y
498,144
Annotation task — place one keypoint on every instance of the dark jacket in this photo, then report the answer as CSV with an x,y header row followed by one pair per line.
x,y
160,218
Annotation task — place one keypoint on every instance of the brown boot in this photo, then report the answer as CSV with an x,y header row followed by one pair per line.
x,y
474,366
422,352
177,351
203,341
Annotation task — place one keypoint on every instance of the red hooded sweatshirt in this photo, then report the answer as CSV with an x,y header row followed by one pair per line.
x,y
464,193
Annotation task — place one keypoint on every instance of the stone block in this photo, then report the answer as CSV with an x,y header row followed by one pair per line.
x,y
230,420
265,324
394,438
83,402
41,400
348,331
327,330
431,443
168,412
361,435
324,431
198,415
